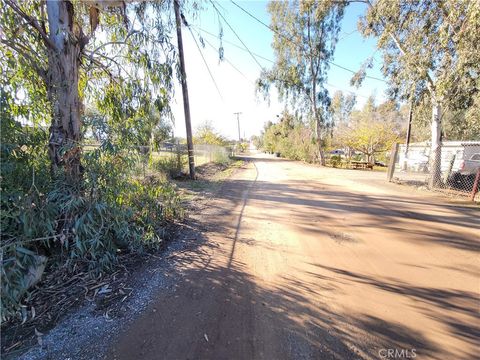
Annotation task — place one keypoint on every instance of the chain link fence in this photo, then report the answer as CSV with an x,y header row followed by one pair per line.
x,y
459,168
172,158
203,153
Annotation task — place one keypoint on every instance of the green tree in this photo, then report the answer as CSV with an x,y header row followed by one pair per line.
x,y
290,137
206,134
257,141
431,49
372,130
304,39
457,123
341,107
62,58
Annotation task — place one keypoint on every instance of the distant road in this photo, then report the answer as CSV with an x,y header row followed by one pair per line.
x,y
303,262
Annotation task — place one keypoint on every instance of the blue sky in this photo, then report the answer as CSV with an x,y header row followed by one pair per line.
x,y
237,85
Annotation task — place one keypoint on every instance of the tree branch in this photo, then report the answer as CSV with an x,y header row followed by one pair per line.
x,y
124,42
34,64
32,22
395,39
119,66
105,69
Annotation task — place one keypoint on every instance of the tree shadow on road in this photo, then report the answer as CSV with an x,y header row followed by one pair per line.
x,y
384,212
219,310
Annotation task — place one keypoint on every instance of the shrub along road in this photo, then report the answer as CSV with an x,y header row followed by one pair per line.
x,y
303,262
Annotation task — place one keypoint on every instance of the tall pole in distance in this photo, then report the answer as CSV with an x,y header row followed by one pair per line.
x,y
186,104
238,124
409,131
409,128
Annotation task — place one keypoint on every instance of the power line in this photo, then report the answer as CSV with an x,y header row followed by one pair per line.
x,y
257,19
261,22
225,58
293,42
264,58
238,37
205,62
233,44
345,34
354,72
347,91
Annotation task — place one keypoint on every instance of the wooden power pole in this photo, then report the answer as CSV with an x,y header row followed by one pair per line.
x,y
409,131
186,104
238,124
409,128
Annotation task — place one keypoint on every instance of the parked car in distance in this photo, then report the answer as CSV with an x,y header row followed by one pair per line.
x,y
337,152
464,177
470,166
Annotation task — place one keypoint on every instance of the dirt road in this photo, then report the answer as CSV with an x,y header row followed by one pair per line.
x,y
309,263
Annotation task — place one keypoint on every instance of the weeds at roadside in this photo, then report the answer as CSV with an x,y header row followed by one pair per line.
x,y
82,245
59,242
209,178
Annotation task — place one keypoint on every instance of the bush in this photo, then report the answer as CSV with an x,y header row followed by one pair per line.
x,y
171,166
291,138
44,219
221,156
335,160
242,147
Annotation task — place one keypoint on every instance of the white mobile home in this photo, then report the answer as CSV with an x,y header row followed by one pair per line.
x,y
417,158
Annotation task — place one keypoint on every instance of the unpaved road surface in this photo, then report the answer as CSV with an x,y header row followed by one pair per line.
x,y
309,263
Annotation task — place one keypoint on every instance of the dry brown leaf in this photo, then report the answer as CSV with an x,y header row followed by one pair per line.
x,y
94,18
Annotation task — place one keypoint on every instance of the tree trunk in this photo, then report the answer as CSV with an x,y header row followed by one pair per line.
x,y
321,152
318,119
62,86
318,122
436,149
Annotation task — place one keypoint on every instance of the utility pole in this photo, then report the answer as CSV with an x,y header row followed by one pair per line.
x,y
238,123
186,104
409,130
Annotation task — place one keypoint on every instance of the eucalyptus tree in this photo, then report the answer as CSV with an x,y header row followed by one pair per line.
x,y
62,53
457,123
341,107
431,49
304,40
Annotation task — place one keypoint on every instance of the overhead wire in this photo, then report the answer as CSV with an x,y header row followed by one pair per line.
x,y
233,44
226,59
264,58
293,42
347,91
245,48
205,62
345,34
238,37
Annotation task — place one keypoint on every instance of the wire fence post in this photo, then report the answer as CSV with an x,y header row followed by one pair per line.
x,y
391,165
475,186
457,168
